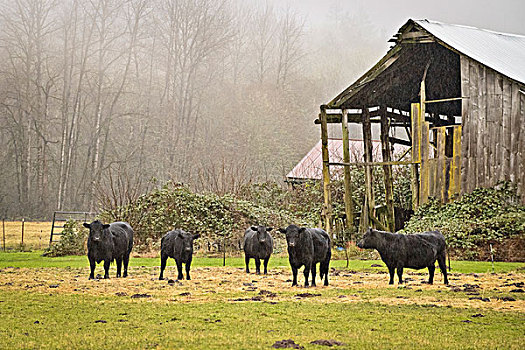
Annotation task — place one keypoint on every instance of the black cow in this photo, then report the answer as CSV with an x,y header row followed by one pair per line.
x,y
308,246
415,251
257,244
109,242
177,244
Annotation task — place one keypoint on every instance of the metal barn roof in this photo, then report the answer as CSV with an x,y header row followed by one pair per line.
x,y
395,79
311,166
505,53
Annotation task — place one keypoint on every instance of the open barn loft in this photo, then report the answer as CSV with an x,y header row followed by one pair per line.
x,y
459,94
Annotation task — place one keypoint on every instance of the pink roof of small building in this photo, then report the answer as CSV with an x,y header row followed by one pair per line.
x,y
311,166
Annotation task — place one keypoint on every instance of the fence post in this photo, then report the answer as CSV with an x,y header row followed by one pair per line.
x,y
3,231
23,221
224,249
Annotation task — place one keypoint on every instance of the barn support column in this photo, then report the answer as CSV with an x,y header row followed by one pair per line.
x,y
415,114
387,169
368,206
349,212
327,210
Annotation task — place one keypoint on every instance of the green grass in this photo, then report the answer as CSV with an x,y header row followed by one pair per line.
x,y
139,323
35,259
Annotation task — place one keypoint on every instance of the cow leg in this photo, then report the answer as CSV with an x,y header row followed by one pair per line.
x,y
247,262
313,275
257,266
188,265
266,265
443,267
119,266
163,259
180,276
92,268
392,271
306,272
400,274
294,273
431,269
106,268
126,262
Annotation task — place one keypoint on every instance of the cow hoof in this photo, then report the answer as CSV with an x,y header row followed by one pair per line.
x,y
91,277
106,277
161,278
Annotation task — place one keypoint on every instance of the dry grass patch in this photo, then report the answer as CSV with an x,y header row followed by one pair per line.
x,y
36,234
233,285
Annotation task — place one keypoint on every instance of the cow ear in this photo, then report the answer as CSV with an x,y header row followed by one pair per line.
x,y
269,229
195,236
253,228
281,230
302,229
105,226
86,225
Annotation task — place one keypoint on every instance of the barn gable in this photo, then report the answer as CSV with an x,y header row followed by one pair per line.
x,y
458,92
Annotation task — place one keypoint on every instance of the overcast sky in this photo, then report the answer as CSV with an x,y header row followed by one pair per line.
x,y
498,15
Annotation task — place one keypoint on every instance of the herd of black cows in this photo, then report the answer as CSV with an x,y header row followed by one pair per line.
x,y
306,247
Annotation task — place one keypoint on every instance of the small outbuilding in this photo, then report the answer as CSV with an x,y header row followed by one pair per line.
x,y
458,94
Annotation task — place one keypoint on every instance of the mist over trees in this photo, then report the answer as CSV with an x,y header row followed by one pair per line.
x,y
97,95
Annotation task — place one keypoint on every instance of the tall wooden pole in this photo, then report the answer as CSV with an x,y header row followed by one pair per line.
x,y
368,149
3,231
387,169
23,222
416,152
349,211
326,171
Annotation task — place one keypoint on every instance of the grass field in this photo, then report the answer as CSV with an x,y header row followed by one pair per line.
x,y
36,234
50,303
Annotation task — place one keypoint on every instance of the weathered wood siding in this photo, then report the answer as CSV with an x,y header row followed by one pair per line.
x,y
493,132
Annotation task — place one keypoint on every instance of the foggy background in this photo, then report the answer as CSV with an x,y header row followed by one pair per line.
x,y
97,95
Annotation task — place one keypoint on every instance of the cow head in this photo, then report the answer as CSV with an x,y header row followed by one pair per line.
x,y
293,234
261,232
369,240
187,240
97,230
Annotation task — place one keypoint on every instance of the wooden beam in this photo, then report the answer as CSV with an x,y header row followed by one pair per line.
x,y
368,149
394,162
387,170
349,211
326,172
416,153
424,178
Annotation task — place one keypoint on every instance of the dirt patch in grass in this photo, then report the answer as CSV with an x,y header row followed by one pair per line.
x,y
233,285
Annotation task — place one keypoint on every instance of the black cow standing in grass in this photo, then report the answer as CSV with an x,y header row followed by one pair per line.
x,y
109,242
414,251
177,244
257,244
308,246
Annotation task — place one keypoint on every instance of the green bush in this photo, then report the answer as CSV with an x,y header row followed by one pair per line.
x,y
485,216
72,241
212,216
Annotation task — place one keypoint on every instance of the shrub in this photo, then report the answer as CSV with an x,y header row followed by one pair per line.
x,y
485,216
72,241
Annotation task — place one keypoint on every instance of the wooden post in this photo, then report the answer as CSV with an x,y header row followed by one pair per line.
x,y
441,165
368,149
23,222
387,170
326,171
3,231
416,152
424,176
347,176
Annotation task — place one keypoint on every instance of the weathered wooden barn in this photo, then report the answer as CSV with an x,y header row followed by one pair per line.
x,y
457,94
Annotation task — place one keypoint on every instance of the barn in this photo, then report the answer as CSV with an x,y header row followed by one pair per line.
x,y
456,94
